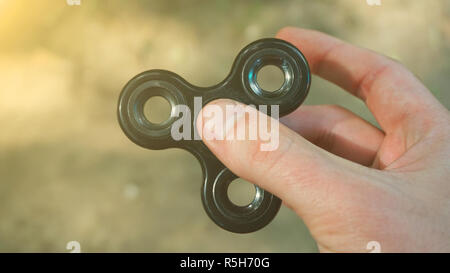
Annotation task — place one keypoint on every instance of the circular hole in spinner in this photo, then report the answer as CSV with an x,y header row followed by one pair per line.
x,y
239,200
270,78
270,74
241,193
245,211
157,109
150,107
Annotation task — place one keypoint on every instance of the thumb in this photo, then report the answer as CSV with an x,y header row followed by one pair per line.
x,y
298,172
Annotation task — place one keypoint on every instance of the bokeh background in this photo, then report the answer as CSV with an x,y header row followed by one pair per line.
x,y
67,172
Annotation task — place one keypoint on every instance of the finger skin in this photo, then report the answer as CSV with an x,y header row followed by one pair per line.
x,y
392,93
405,109
338,131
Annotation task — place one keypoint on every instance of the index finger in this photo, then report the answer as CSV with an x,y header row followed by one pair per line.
x,y
392,93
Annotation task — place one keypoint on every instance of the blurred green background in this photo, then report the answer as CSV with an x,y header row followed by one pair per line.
x,y
67,172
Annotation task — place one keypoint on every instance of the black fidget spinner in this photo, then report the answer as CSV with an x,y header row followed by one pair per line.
x,y
240,85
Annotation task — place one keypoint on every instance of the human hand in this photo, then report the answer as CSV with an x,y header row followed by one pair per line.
x,y
349,181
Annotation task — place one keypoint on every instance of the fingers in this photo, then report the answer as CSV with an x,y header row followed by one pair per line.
x,y
338,131
297,171
391,92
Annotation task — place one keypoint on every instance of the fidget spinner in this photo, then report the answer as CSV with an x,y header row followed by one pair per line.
x,y
240,85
